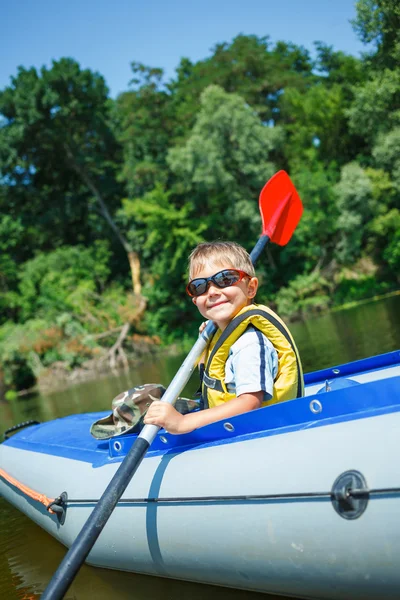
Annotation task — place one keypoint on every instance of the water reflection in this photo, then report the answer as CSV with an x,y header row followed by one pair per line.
x,y
29,557
347,335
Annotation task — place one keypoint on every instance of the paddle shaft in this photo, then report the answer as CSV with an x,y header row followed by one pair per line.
x,y
87,537
258,248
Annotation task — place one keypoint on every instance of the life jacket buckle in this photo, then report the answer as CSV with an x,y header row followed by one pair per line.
x,y
209,381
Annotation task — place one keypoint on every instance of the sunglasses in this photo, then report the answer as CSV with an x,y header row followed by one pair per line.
x,y
223,279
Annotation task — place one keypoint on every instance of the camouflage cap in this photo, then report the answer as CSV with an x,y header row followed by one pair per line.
x,y
129,409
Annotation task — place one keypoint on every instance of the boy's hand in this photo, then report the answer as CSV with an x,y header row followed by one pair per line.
x,y
203,326
165,415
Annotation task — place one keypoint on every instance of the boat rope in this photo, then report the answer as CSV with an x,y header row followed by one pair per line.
x,y
19,426
42,498
356,493
348,500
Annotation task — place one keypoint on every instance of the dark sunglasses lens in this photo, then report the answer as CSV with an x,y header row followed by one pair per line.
x,y
197,287
226,278
223,279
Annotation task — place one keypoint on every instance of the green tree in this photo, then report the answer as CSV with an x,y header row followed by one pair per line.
x,y
144,124
386,155
11,237
378,22
312,246
392,255
384,241
361,196
49,282
249,66
59,156
166,233
224,164
376,105
315,118
304,294
336,67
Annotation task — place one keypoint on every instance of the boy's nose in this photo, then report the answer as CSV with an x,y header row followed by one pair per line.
x,y
213,289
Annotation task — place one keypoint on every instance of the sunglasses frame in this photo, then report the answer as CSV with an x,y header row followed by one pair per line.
x,y
208,280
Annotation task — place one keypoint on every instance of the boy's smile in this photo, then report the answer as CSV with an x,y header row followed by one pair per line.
x,y
222,304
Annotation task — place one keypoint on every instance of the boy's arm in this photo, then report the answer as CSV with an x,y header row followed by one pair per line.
x,y
164,415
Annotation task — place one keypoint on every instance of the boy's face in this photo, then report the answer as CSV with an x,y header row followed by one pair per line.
x,y
222,304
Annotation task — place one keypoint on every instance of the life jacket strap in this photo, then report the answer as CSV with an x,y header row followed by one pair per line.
x,y
210,382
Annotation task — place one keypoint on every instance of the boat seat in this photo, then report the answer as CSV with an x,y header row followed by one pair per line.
x,y
337,384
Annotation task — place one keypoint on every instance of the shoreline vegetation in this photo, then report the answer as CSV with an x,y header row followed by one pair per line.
x,y
355,303
60,375
102,199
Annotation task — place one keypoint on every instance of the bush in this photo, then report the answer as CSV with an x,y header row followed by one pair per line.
x,y
353,290
304,294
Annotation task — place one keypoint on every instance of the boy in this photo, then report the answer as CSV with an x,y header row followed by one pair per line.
x,y
252,360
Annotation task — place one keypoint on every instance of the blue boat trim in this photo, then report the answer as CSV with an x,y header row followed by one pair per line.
x,y
356,367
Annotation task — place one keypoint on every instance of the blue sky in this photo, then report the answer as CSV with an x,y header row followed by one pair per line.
x,y
107,36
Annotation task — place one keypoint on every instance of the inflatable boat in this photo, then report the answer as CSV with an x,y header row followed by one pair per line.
x,y
301,498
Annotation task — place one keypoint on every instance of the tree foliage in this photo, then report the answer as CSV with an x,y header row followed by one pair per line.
x,y
87,182
378,22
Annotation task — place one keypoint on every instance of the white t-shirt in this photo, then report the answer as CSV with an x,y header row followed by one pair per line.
x,y
252,364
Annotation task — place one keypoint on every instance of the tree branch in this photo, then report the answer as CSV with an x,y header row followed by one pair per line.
x,y
117,349
133,257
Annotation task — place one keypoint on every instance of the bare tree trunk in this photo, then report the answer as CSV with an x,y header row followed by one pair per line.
x,y
133,257
134,264
116,351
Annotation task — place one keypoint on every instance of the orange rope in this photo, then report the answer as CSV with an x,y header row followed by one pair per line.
x,y
27,490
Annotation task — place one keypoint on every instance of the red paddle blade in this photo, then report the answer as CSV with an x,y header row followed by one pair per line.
x,y
280,208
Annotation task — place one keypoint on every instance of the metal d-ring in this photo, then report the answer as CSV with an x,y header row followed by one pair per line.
x,y
117,446
345,504
229,427
315,407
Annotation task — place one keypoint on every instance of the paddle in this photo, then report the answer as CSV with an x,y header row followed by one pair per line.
x,y
281,209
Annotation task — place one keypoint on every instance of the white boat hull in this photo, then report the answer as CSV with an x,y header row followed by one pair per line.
x,y
299,547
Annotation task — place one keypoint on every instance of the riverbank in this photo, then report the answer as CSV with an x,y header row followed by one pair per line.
x,y
60,376
356,303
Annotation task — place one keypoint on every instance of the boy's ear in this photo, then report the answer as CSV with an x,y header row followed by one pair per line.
x,y
252,287
194,300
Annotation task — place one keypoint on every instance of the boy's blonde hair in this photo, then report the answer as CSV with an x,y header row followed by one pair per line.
x,y
226,254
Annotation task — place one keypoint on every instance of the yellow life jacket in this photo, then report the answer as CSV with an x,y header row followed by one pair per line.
x,y
288,383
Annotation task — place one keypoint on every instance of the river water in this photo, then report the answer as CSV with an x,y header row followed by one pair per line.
x,y
29,556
